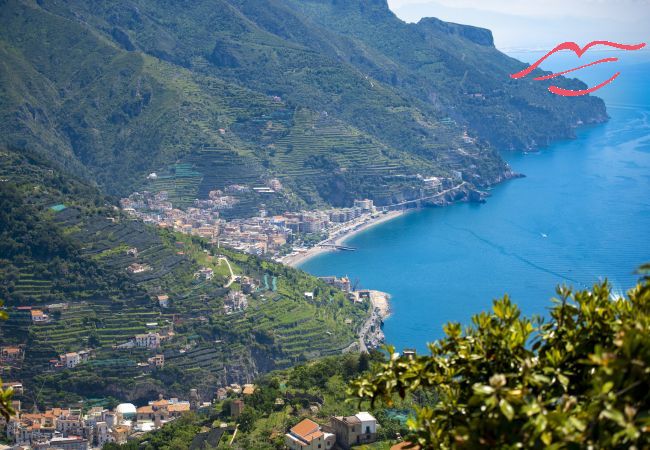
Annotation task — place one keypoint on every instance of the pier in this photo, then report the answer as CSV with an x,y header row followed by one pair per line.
x,y
339,247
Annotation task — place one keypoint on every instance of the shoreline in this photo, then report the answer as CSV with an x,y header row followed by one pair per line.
x,y
371,334
339,239
381,302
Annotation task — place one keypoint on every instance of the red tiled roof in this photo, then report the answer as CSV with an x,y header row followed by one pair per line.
x,y
307,430
405,445
178,407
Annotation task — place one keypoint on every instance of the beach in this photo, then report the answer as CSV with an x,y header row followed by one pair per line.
x,y
356,226
380,301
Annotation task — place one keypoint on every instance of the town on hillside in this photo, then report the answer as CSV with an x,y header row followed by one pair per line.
x,y
275,236
68,428
76,429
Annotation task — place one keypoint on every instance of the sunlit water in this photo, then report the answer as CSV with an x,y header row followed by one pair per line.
x,y
581,214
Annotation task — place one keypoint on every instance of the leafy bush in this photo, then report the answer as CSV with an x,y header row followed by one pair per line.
x,y
579,379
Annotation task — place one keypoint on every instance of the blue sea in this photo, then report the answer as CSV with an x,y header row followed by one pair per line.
x,y
582,214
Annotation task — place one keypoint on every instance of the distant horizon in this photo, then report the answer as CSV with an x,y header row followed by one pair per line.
x,y
527,27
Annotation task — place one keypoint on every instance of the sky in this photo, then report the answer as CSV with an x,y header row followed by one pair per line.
x,y
539,25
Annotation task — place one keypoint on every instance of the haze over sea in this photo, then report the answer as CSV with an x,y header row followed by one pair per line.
x,y
581,214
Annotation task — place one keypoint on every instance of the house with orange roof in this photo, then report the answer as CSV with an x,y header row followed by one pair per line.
x,y
120,434
157,360
176,409
160,403
405,445
144,413
38,316
308,435
58,412
11,353
70,360
24,429
161,410
163,301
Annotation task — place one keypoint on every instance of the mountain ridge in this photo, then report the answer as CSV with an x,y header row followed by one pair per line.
x,y
116,91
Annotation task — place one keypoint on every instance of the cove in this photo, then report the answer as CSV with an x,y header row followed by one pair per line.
x,y
582,213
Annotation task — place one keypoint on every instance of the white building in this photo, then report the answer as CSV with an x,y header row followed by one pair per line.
x,y
102,435
365,204
148,340
39,316
204,272
70,360
368,422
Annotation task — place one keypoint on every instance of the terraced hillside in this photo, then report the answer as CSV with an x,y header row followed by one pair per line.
x,y
337,99
67,253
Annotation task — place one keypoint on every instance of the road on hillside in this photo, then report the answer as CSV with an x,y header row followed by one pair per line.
x,y
232,274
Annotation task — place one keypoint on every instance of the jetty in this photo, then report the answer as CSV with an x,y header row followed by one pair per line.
x,y
339,247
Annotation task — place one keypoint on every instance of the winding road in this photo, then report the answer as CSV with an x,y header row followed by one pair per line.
x,y
232,274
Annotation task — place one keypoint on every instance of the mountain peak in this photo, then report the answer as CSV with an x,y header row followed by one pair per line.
x,y
365,6
481,36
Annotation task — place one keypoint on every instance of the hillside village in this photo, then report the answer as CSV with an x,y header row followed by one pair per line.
x,y
272,236
69,428
156,342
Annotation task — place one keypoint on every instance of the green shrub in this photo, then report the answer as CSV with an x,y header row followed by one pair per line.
x,y
580,379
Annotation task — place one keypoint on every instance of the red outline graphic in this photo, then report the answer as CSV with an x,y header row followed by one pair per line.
x,y
553,75
579,51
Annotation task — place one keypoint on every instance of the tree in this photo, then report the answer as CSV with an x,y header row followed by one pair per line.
x,y
364,362
580,379
6,410
93,339
246,419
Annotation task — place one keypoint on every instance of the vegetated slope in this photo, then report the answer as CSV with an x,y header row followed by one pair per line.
x,y
241,90
455,69
65,251
315,390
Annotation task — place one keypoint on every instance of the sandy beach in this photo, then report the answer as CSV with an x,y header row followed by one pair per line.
x,y
380,301
357,226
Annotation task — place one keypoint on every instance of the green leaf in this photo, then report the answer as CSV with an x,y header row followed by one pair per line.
x,y
482,389
606,387
507,409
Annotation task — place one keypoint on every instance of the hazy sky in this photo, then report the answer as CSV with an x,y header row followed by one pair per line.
x,y
530,24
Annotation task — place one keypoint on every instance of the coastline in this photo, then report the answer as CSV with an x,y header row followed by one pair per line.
x,y
371,334
355,228
381,302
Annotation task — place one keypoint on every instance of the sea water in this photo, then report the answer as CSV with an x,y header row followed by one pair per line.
x,y
581,214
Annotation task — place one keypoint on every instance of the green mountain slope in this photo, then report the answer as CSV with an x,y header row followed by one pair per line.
x,y
65,251
336,99
445,65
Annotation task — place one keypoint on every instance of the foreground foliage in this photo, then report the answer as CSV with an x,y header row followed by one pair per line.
x,y
579,379
6,409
